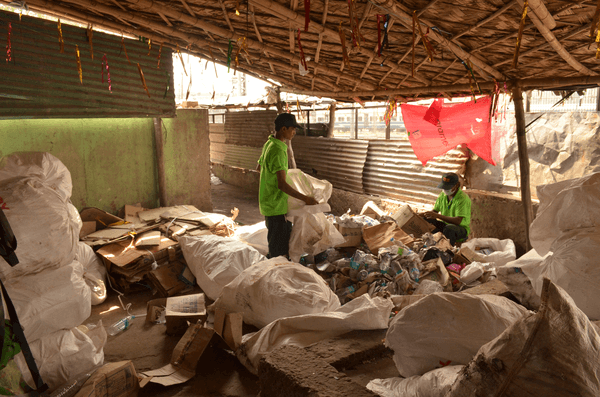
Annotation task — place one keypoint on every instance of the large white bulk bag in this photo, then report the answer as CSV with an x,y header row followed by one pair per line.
x,y
274,289
215,260
50,300
447,329
94,272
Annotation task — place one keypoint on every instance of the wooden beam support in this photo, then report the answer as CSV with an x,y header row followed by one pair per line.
x,y
164,18
187,7
331,120
226,16
523,161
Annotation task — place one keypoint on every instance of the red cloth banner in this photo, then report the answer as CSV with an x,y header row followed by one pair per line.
x,y
436,129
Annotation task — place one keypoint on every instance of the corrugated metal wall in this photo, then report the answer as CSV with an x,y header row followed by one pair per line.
x,y
41,82
392,170
340,161
375,167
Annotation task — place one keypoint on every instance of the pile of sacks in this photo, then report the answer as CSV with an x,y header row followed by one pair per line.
x,y
50,286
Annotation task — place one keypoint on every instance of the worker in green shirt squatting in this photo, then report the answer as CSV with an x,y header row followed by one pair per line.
x,y
451,213
274,190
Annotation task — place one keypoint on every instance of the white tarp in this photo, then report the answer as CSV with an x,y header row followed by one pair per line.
x,y
274,289
362,313
434,383
65,354
216,261
35,189
447,328
50,300
554,352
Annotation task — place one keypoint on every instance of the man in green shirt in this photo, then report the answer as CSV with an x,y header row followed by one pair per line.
x,y
451,213
274,190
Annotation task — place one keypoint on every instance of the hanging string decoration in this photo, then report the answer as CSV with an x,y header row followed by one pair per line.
x,y
79,64
302,58
354,28
298,109
143,79
187,95
149,46
596,25
158,58
124,49
237,7
168,84
181,59
105,66
391,108
242,46
426,43
520,35
213,60
385,19
343,41
8,44
90,33
229,51
306,14
61,42
469,66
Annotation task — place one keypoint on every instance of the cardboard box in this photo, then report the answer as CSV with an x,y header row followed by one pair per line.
x,y
379,236
178,311
171,279
352,235
411,223
112,380
465,255
435,270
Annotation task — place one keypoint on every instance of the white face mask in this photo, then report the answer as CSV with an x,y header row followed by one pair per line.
x,y
450,192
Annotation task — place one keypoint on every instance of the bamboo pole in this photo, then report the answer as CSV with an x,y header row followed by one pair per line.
x,y
331,120
150,6
548,82
540,10
558,47
523,162
285,13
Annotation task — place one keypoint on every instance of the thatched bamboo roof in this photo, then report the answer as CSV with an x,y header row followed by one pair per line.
x,y
465,35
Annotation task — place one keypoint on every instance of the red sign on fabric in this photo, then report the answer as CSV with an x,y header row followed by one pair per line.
x,y
436,129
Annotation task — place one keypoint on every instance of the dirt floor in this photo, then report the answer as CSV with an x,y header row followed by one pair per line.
x,y
219,373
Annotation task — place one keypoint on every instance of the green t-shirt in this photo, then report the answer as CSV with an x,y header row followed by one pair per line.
x,y
271,200
460,205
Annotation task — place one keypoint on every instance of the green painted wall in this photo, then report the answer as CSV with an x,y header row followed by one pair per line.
x,y
113,162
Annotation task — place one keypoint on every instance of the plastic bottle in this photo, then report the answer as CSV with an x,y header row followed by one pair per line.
x,y
362,275
415,273
342,293
120,326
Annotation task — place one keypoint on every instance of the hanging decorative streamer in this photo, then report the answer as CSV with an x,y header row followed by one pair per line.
x,y
520,35
242,45
168,84
124,49
213,60
79,64
8,44
237,6
149,46
143,80
390,109
189,86
424,39
229,51
181,59
598,40
382,43
302,58
158,58
354,29
60,38
306,14
105,65
298,108
595,20
90,33
343,41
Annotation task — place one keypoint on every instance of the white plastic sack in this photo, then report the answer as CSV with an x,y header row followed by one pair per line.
x,y
564,206
434,383
362,313
447,328
471,272
574,267
216,261
50,300
554,352
94,272
36,205
518,283
319,189
255,236
312,234
274,289
65,354
504,250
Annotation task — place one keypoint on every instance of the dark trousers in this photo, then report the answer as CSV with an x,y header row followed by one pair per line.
x,y
453,233
279,231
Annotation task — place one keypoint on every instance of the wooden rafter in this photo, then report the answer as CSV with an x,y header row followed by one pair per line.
x,y
226,16
164,18
187,7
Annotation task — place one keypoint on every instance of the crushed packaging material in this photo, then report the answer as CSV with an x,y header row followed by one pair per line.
x,y
502,251
410,222
434,383
177,312
112,380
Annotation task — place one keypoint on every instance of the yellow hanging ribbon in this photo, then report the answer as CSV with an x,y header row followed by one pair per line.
x,y
79,64
124,49
159,52
143,80
520,35
181,59
149,46
90,33
61,42
424,39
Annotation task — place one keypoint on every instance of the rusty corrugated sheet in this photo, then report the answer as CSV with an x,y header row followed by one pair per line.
x,y
392,170
340,161
42,82
249,128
